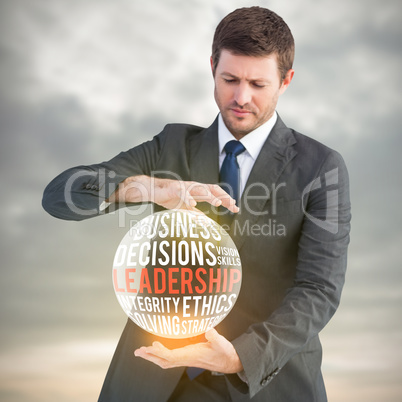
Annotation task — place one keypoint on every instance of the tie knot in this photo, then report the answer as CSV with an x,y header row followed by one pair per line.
x,y
234,147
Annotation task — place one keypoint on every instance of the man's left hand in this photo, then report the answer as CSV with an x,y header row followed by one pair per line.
x,y
217,354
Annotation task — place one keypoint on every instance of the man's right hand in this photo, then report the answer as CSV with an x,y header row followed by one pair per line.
x,y
171,194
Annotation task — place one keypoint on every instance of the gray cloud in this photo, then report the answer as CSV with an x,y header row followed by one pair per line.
x,y
82,81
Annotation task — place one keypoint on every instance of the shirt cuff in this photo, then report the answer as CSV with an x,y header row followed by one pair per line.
x,y
103,206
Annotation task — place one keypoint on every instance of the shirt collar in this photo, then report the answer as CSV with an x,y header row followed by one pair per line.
x,y
253,141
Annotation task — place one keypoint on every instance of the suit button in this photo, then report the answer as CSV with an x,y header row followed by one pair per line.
x,y
266,380
88,186
94,187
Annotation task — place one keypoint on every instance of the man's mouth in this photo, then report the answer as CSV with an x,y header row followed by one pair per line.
x,y
240,112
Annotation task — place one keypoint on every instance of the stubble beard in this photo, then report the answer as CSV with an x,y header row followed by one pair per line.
x,y
230,121
238,130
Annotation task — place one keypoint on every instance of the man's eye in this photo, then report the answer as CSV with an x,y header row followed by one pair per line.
x,y
258,85
229,81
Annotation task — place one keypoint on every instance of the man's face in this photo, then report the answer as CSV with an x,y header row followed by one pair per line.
x,y
247,90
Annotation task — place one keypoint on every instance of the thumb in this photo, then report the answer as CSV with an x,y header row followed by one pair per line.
x,y
212,335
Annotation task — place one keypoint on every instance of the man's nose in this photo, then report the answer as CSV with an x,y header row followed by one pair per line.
x,y
243,94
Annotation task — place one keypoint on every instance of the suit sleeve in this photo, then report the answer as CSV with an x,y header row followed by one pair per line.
x,y
321,263
77,193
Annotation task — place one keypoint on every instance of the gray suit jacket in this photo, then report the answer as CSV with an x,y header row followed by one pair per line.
x,y
292,233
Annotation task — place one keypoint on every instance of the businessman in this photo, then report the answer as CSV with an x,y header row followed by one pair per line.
x,y
283,197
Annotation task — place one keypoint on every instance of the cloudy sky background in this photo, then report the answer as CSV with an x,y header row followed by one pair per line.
x,y
82,80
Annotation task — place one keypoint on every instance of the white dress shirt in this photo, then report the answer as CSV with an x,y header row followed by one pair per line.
x,y
253,143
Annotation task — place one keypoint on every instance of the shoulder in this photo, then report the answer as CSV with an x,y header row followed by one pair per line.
x,y
179,135
316,158
306,144
314,149
181,130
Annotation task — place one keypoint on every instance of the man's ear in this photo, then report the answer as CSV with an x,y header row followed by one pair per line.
x,y
286,81
212,66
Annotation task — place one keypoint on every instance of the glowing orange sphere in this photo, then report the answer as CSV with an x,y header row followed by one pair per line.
x,y
177,274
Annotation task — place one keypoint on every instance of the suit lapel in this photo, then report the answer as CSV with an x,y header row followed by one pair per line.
x,y
204,160
276,153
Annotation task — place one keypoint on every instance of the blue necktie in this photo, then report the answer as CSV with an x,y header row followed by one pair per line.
x,y
194,372
230,171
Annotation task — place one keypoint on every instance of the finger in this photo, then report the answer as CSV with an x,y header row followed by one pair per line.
x,y
202,192
156,350
229,203
216,340
163,363
183,195
212,335
189,200
213,194
180,199
140,352
159,350
226,200
231,206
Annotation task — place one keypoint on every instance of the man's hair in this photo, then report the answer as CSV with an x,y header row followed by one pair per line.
x,y
254,31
